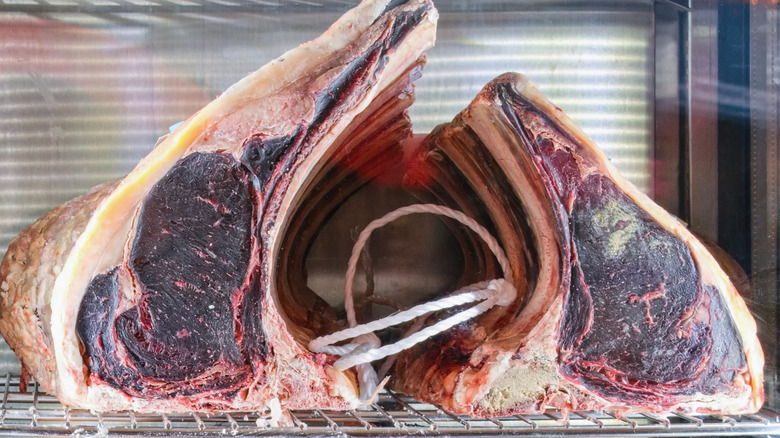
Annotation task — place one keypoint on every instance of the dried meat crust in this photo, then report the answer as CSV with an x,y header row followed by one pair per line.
x,y
623,308
199,222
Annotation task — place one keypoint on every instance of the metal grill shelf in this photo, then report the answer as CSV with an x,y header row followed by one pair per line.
x,y
34,413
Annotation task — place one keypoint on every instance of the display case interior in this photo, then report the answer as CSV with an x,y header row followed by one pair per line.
x,y
681,95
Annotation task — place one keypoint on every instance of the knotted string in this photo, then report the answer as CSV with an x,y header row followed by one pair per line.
x,y
367,347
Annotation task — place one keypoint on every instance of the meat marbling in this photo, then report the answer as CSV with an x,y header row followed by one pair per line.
x,y
173,289
158,292
621,307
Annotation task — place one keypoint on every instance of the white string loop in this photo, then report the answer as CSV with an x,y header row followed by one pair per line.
x,y
492,243
324,344
506,293
366,347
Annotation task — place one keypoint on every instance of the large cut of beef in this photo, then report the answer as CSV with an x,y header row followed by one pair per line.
x,y
619,305
159,292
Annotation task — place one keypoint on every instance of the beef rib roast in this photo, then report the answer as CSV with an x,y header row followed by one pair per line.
x,y
158,292
182,286
619,307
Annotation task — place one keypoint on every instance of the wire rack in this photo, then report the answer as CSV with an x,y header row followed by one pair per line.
x,y
35,413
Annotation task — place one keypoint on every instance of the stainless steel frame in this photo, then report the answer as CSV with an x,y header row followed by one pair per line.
x,y
764,171
702,128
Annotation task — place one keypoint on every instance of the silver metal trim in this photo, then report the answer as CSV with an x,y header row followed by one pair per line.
x,y
681,5
703,118
668,43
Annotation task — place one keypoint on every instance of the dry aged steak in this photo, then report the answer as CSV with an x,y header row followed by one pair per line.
x,y
158,292
620,307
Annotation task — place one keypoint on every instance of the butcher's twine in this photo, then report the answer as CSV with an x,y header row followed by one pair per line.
x,y
367,348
